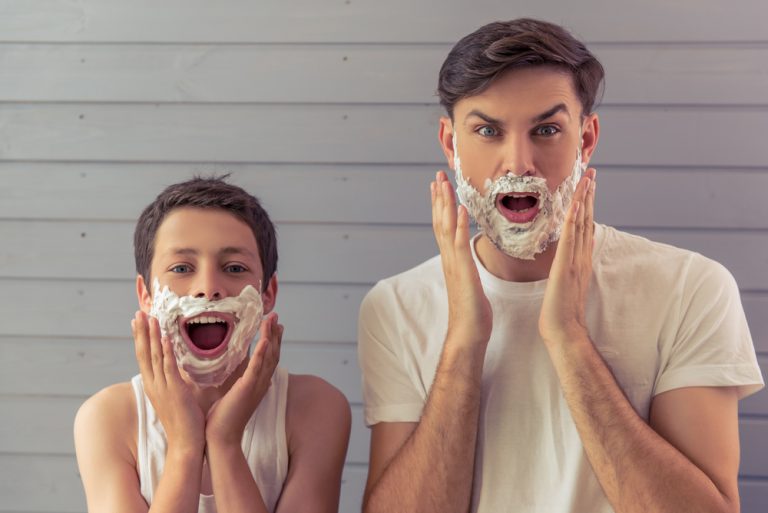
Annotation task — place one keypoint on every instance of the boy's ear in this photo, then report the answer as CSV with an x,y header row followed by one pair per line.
x,y
269,294
445,136
143,295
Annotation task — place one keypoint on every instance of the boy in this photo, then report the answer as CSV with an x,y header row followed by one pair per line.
x,y
549,364
204,427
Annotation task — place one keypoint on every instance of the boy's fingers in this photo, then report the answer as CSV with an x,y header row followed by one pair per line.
x,y
170,366
156,351
141,346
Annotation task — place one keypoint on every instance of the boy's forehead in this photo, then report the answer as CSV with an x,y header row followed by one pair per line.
x,y
195,231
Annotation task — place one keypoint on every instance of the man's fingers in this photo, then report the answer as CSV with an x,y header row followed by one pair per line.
x,y
589,214
578,224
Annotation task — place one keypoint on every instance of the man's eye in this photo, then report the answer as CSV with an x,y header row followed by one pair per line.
x,y
487,131
181,268
236,268
547,130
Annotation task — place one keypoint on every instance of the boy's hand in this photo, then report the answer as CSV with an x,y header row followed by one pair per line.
x,y
171,397
229,415
562,317
470,318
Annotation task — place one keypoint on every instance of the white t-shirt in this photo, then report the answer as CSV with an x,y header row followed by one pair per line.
x,y
661,317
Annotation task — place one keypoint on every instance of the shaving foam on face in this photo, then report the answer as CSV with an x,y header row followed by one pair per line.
x,y
171,310
518,240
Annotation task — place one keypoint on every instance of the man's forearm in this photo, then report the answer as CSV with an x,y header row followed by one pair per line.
x,y
433,470
179,488
638,470
234,488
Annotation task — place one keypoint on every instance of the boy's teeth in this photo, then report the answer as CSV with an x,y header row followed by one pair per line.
x,y
205,320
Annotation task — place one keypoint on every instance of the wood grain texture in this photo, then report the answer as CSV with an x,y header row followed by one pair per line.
x,y
316,133
354,73
350,20
371,194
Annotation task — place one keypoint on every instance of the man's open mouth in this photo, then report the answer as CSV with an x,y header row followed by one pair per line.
x,y
518,207
207,334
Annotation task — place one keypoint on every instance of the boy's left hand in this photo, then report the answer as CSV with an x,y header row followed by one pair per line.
x,y
562,317
228,416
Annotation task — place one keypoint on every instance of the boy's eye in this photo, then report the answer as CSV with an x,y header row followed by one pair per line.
x,y
181,268
236,268
487,131
547,130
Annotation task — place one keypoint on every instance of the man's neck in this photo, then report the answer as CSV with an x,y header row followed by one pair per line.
x,y
509,268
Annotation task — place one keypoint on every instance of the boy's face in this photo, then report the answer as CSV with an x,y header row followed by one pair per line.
x,y
203,264
528,122
206,253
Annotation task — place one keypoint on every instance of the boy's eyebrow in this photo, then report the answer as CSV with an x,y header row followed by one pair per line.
x,y
184,251
234,250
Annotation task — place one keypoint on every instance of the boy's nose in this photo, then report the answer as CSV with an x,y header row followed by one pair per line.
x,y
208,286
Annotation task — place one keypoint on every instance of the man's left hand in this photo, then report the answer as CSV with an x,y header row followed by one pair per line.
x,y
562,317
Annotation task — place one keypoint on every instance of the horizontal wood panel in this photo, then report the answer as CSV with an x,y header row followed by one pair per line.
x,y
310,313
653,136
754,450
104,251
681,198
50,483
753,494
395,21
649,74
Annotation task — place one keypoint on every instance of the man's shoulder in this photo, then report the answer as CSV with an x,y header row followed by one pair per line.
x,y
417,282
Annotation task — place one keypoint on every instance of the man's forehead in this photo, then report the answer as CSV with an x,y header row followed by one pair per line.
x,y
217,252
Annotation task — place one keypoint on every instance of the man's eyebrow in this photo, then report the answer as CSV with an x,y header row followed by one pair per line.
x,y
184,251
485,117
560,107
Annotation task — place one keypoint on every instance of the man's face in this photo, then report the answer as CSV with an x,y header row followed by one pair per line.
x,y
519,149
206,258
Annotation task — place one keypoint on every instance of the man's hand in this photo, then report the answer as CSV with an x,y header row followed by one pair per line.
x,y
171,397
470,318
562,315
229,415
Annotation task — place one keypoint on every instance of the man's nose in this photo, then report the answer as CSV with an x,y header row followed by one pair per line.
x,y
518,156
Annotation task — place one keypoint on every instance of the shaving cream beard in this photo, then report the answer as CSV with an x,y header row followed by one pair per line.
x,y
518,240
170,309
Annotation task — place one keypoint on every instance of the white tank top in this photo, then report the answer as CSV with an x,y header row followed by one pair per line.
x,y
264,444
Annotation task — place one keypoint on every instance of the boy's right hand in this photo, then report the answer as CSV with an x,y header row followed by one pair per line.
x,y
171,397
470,318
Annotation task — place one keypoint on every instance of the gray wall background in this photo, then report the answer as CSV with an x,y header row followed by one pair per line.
x,y
325,110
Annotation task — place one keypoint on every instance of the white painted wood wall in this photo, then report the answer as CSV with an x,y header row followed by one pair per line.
x,y
325,110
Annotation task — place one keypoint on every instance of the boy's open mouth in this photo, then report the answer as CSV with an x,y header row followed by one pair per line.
x,y
207,334
518,207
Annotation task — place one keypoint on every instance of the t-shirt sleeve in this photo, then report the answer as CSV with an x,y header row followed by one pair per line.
x,y
389,392
713,346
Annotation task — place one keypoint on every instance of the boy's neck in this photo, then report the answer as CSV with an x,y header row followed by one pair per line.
x,y
206,396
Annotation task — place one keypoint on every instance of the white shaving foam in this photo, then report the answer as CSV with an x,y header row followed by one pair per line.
x,y
248,310
518,240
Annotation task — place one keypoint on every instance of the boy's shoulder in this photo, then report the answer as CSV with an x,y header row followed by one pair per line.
x,y
108,417
315,408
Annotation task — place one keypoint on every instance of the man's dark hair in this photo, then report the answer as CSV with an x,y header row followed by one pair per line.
x,y
213,193
482,56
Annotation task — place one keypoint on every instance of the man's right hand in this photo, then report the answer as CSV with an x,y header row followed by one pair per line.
x,y
470,318
171,397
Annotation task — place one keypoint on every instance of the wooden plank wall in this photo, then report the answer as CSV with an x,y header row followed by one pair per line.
x,y
326,110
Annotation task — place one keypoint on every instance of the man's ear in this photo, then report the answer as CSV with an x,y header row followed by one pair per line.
x,y
143,295
269,294
589,136
445,136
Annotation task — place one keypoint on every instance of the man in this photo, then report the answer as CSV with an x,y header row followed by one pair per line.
x,y
549,364
205,427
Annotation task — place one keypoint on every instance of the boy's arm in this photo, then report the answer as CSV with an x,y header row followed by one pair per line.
x,y
318,421
105,428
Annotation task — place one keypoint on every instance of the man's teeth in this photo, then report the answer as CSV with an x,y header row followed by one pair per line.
x,y
205,320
